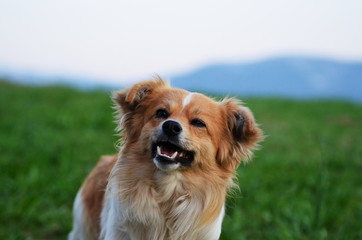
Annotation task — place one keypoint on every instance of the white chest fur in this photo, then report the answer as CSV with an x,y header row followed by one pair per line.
x,y
145,219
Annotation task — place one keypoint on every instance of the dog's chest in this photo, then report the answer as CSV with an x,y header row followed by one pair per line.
x,y
165,210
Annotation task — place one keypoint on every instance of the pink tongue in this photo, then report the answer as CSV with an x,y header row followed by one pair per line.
x,y
167,152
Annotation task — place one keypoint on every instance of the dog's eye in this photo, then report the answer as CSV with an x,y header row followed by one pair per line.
x,y
162,113
198,123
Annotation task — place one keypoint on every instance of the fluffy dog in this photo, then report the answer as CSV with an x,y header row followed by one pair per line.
x,y
170,179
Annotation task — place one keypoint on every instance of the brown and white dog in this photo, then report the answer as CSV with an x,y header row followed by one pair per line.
x,y
170,179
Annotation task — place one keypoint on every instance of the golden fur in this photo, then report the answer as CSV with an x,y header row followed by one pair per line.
x,y
177,204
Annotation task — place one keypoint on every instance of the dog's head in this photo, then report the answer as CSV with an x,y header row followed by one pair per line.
x,y
179,130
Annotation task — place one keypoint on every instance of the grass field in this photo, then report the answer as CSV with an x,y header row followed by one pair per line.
x,y
305,182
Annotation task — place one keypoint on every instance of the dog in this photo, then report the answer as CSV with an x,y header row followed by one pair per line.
x,y
180,151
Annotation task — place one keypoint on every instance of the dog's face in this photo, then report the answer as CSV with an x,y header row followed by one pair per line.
x,y
184,129
181,131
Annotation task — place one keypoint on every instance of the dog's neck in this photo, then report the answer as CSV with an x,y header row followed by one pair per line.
x,y
169,186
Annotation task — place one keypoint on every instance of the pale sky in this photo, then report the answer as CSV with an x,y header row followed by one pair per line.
x,y
134,39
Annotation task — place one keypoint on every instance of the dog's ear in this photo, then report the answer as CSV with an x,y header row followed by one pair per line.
x,y
241,135
129,98
129,104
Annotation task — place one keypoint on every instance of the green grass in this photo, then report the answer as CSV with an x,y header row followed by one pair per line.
x,y
304,183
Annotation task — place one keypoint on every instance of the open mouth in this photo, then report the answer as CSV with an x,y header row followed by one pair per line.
x,y
169,153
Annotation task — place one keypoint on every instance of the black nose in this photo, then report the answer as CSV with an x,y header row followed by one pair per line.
x,y
171,128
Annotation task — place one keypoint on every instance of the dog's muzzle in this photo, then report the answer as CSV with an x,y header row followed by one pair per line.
x,y
168,150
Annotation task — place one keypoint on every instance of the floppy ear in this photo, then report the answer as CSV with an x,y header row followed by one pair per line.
x,y
241,136
128,100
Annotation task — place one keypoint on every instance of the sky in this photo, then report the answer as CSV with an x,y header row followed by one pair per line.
x,y
121,41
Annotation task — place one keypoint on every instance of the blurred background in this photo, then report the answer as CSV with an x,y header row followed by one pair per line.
x,y
281,48
296,64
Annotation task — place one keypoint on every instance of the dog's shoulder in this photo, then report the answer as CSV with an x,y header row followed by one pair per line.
x,y
94,188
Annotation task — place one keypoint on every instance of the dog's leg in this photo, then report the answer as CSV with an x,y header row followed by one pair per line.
x,y
78,232
112,219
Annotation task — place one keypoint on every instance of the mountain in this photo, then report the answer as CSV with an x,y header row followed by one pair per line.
x,y
297,77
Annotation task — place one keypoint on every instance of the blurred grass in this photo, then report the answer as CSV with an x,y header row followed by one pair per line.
x,y
305,182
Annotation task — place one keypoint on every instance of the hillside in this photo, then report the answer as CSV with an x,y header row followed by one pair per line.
x,y
304,182
293,77
296,77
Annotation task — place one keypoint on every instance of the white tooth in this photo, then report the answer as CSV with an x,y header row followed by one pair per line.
x,y
174,155
158,150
